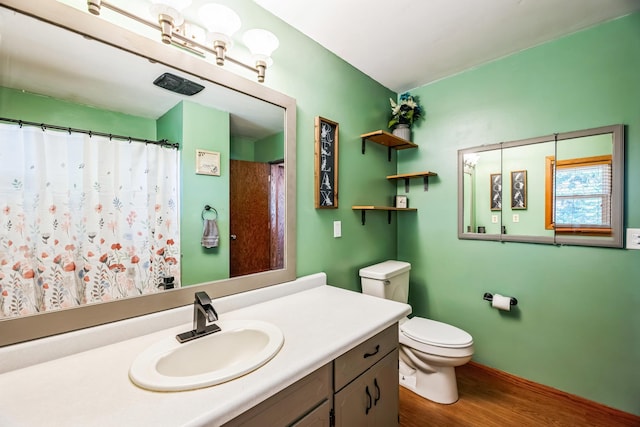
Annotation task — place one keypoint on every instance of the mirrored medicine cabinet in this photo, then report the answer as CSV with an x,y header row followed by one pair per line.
x,y
561,189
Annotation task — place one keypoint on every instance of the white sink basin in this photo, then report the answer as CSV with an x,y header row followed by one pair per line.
x,y
239,348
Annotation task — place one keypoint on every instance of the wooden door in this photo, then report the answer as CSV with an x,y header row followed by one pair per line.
x,y
249,220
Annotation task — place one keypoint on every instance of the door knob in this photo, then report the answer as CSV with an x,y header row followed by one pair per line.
x,y
234,237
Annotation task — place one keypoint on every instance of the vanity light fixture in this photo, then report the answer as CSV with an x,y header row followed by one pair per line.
x,y
220,23
261,43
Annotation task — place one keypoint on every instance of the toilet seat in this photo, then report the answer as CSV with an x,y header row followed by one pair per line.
x,y
435,334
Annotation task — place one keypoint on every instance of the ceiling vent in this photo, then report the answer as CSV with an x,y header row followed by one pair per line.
x,y
178,84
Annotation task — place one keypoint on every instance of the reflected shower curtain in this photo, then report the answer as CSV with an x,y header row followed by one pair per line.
x,y
83,219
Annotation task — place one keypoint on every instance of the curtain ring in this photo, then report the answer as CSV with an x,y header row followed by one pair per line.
x,y
208,208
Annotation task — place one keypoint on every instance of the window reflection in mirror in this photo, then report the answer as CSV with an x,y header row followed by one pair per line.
x,y
578,186
557,189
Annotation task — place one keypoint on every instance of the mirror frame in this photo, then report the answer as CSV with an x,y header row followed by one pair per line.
x,y
21,329
616,239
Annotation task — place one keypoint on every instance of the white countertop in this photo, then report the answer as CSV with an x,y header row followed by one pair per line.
x,y
92,388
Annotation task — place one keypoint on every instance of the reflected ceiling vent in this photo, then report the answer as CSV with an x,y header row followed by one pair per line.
x,y
178,84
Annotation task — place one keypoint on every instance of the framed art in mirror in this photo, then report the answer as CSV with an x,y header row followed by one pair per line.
x,y
496,191
207,162
519,189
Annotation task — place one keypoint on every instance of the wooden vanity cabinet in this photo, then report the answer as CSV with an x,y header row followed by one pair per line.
x,y
359,388
366,382
372,399
304,403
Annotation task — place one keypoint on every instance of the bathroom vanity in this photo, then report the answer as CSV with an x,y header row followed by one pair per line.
x,y
338,365
362,384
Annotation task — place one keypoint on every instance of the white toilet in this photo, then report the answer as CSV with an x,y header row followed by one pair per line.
x,y
429,350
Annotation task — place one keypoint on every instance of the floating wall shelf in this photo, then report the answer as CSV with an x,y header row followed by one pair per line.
x,y
389,140
408,176
389,209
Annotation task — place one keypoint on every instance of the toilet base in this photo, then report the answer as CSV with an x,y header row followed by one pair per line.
x,y
437,383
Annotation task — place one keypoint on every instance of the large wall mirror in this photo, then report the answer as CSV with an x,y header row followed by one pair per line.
x,y
54,52
563,189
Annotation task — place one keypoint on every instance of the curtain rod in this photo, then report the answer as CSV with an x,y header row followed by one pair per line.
x,y
44,126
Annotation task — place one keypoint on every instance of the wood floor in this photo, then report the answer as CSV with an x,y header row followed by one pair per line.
x,y
492,398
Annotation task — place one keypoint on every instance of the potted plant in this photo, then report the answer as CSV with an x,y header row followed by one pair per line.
x,y
404,114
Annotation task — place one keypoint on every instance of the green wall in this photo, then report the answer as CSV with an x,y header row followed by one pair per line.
x,y
207,129
26,106
268,149
323,85
577,324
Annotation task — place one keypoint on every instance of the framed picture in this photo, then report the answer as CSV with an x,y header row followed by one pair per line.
x,y
207,162
519,189
326,164
496,191
401,202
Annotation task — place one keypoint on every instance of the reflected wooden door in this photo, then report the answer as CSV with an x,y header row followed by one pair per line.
x,y
277,214
249,220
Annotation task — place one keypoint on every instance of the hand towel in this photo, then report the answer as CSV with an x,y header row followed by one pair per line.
x,y
210,236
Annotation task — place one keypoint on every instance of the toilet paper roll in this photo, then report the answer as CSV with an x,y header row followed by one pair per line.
x,y
501,302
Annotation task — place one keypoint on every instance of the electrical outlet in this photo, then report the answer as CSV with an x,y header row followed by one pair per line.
x,y
337,228
494,219
516,218
633,238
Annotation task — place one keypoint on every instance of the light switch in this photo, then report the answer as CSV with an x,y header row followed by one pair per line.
x,y
494,219
633,238
516,218
337,228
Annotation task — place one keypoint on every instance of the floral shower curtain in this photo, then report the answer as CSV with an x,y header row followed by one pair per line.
x,y
83,219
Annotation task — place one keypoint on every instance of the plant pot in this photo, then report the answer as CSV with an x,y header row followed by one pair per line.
x,y
402,131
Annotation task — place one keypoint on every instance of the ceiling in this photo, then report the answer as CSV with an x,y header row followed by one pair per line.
x,y
416,43
404,44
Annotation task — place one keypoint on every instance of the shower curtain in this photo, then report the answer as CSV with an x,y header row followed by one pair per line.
x,y
83,219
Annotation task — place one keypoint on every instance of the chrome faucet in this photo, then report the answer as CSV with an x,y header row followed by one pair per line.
x,y
203,313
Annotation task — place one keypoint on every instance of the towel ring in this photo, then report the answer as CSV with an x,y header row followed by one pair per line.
x,y
208,208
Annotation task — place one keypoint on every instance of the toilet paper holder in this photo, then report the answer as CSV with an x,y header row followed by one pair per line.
x,y
489,297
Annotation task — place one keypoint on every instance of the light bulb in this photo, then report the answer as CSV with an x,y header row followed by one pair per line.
x,y
220,19
169,15
261,43
221,22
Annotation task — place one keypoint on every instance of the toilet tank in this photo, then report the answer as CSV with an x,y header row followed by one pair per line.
x,y
389,280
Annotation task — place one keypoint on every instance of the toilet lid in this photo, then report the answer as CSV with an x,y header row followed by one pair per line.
x,y
435,333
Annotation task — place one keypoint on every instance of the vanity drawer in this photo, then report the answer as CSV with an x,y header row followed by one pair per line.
x,y
291,404
357,360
